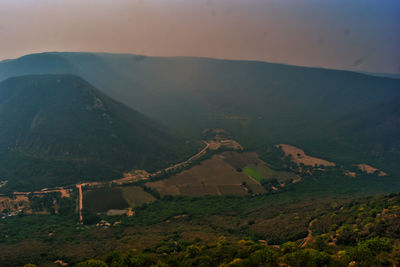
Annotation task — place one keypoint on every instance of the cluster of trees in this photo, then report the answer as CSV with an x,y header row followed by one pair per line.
x,y
151,191
358,220
268,184
371,252
44,202
277,159
19,228
363,232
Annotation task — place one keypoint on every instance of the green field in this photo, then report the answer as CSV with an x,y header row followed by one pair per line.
x,y
264,172
253,173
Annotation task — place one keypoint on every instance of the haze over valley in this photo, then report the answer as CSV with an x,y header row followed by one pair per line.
x,y
186,144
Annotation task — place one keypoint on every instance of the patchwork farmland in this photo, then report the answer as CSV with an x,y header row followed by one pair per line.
x,y
219,175
225,173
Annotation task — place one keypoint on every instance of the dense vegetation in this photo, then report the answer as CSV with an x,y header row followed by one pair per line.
x,y
364,231
371,252
57,129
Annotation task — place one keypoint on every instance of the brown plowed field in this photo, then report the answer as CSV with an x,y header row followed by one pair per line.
x,y
214,176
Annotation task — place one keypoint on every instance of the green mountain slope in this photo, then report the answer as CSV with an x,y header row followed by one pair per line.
x,y
58,129
340,115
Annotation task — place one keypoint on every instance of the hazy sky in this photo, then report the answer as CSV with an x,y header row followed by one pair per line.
x,y
346,34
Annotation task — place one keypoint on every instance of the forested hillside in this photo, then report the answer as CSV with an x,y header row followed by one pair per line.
x,y
346,116
58,129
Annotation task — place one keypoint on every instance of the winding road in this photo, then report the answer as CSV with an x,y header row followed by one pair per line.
x,y
190,159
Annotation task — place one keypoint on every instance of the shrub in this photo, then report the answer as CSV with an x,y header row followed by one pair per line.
x,y
92,263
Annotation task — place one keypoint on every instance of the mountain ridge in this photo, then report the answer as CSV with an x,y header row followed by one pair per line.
x,y
342,115
395,76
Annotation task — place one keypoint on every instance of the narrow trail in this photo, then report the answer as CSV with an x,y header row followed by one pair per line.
x,y
309,236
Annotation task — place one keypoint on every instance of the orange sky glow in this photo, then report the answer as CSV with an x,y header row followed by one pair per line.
x,y
362,35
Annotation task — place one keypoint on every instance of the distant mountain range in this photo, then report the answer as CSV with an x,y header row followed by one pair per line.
x,y
58,129
344,116
383,74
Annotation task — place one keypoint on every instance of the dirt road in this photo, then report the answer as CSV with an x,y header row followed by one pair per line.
x,y
203,151
80,206
309,236
190,159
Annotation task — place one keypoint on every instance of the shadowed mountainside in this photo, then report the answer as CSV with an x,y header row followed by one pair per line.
x,y
58,129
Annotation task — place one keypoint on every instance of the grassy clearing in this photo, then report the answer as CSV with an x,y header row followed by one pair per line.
x,y
135,196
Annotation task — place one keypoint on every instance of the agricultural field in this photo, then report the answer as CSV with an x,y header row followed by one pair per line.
x,y
104,199
218,175
262,171
136,196
115,198
253,166
253,173
239,160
